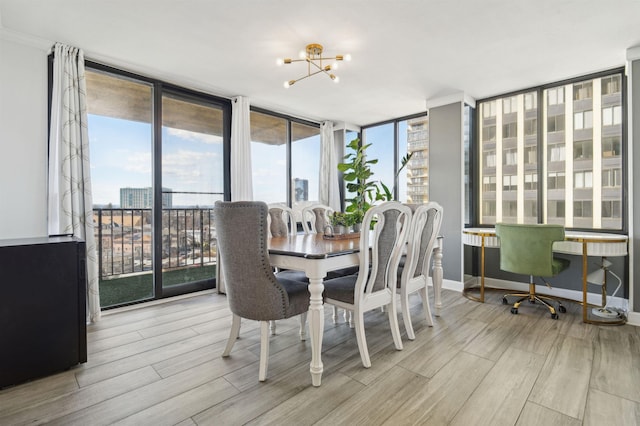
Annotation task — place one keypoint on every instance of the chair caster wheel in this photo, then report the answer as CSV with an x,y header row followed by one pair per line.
x,y
554,316
562,309
514,311
505,301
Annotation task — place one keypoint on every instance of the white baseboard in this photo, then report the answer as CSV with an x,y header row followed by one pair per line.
x,y
633,318
452,285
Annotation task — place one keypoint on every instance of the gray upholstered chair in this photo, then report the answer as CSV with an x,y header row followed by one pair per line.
x,y
413,273
528,249
254,292
375,285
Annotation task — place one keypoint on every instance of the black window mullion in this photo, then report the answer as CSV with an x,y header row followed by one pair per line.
x,y
288,159
541,157
396,152
157,189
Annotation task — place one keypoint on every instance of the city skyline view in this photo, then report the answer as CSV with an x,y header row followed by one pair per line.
x,y
121,157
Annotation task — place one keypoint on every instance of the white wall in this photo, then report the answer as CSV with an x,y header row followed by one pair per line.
x,y
23,139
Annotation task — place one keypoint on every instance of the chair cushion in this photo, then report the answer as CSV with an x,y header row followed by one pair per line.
x,y
341,288
559,265
301,276
298,296
292,275
343,272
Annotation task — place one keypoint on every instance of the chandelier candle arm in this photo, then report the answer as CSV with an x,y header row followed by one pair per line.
x,y
313,57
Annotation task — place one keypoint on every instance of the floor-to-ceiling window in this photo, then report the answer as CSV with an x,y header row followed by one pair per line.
x,y
554,154
285,158
383,148
120,114
349,136
305,165
391,143
269,135
192,181
157,163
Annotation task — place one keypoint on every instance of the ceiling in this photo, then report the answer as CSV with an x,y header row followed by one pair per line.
x,y
405,52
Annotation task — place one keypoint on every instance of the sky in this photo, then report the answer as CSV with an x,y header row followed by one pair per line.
x,y
121,157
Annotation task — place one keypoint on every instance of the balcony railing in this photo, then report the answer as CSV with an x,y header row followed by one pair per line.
x,y
124,238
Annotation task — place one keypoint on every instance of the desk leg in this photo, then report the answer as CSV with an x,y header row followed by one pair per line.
x,y
465,290
437,277
584,281
482,273
316,328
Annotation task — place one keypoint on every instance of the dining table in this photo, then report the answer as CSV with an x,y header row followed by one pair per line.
x,y
317,254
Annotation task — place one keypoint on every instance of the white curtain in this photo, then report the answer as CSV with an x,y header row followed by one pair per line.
x,y
69,196
241,173
329,188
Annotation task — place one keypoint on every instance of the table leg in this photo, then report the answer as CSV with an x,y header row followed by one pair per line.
x,y
437,277
316,328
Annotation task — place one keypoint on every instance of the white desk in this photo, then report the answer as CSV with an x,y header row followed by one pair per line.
x,y
577,243
316,256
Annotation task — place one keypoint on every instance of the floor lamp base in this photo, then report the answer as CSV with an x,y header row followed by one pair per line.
x,y
604,313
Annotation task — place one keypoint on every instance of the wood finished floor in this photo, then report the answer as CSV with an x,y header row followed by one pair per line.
x,y
478,365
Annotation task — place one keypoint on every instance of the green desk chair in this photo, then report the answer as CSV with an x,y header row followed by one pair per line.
x,y
528,250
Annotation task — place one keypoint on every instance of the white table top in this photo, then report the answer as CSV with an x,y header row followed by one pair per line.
x,y
597,243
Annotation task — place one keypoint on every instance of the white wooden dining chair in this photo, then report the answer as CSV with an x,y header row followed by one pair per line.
x,y
314,220
282,223
375,285
315,217
414,272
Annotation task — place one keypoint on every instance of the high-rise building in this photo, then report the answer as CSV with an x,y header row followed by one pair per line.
x,y
300,189
142,198
418,166
578,145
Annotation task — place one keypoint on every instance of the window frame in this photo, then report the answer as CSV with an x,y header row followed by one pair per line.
x,y
396,141
558,89
160,88
289,121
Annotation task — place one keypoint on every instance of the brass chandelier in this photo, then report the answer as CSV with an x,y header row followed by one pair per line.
x,y
316,63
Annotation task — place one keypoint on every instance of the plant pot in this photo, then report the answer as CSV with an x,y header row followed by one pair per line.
x,y
357,227
340,229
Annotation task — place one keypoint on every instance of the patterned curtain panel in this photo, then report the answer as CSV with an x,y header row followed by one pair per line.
x,y
70,202
329,188
241,178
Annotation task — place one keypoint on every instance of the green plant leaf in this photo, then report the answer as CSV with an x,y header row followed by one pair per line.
x,y
388,196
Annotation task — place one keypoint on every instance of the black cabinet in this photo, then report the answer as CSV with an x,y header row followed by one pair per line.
x,y
42,307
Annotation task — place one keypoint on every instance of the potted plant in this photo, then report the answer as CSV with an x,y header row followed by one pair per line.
x,y
357,173
340,222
